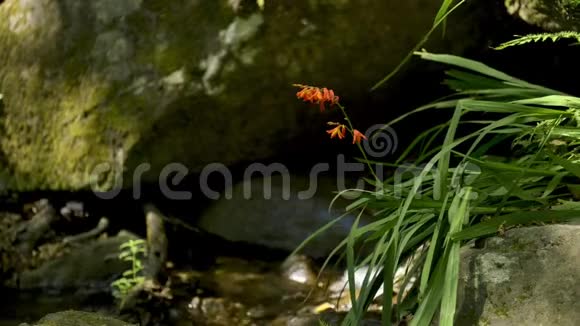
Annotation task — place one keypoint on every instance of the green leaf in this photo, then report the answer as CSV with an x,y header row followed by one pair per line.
x,y
540,37
492,106
458,216
443,10
569,166
566,132
125,254
418,45
575,190
317,233
437,233
322,323
122,283
443,166
510,167
424,314
351,266
482,69
552,100
449,292
357,203
389,267
553,184
465,80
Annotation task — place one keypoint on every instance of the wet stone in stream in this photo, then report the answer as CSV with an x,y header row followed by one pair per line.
x,y
259,293
249,292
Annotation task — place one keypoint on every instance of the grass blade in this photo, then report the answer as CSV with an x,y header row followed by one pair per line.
x,y
484,70
389,268
457,218
417,47
569,166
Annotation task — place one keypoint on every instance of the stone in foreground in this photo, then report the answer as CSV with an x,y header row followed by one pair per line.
x,y
76,318
527,277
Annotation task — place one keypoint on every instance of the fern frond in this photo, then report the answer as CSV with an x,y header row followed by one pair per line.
x,y
541,37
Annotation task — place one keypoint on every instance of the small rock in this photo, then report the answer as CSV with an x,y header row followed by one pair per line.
x,y
217,311
91,266
73,209
298,268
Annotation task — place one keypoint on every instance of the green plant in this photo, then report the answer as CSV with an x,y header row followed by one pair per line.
x,y
459,191
541,37
462,192
322,323
132,251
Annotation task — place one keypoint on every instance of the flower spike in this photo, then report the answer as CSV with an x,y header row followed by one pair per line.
x,y
317,95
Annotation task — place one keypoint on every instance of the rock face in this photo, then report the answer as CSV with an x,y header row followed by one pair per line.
x,y
528,277
259,213
93,89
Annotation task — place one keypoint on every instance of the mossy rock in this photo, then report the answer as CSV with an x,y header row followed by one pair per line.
x,y
93,89
551,15
76,318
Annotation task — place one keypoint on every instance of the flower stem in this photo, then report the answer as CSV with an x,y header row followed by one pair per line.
x,y
351,130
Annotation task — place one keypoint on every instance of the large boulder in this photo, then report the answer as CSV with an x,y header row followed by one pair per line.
x,y
527,277
100,87
280,214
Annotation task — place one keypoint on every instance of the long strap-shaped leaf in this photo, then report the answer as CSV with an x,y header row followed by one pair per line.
x,y
482,69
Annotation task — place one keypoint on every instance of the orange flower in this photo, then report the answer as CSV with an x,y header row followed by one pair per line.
x,y
357,136
316,95
338,131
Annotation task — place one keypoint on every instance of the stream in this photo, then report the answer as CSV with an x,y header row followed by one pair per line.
x,y
208,280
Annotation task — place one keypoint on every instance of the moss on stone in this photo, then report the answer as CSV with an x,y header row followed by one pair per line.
x,y
94,92
501,311
75,318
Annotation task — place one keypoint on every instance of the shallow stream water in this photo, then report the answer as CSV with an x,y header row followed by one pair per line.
x,y
233,291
